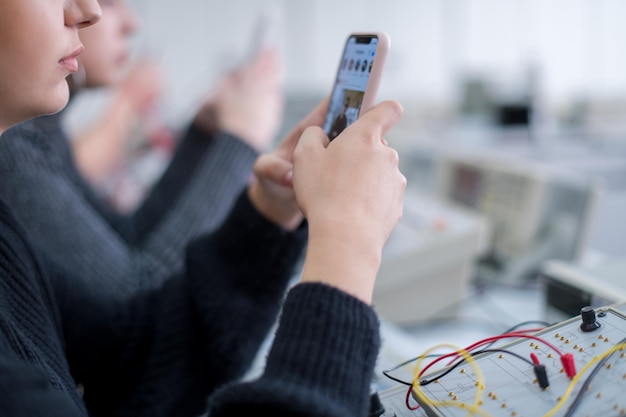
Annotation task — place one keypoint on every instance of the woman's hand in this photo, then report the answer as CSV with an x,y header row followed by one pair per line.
x,y
248,102
271,190
351,192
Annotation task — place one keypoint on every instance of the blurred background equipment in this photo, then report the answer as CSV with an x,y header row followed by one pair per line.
x,y
569,286
536,213
429,261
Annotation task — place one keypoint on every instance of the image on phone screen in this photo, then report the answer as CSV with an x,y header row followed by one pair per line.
x,y
353,74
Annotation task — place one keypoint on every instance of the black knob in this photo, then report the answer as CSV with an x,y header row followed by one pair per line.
x,y
588,316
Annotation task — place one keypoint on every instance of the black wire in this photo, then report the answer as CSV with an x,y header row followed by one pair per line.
x,y
517,326
386,372
398,380
525,323
585,385
451,368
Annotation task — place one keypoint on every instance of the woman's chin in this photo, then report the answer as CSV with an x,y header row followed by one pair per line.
x,y
55,102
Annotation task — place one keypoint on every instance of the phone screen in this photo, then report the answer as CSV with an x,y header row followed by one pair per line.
x,y
351,81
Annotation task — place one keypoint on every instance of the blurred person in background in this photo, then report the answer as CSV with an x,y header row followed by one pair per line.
x,y
117,253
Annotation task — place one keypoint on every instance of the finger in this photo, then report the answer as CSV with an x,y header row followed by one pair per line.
x,y
375,123
266,62
314,118
274,168
269,59
312,140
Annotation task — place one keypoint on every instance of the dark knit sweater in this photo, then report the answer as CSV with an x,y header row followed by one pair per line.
x,y
166,350
74,226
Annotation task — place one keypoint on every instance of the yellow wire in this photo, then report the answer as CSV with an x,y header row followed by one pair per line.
x,y
475,407
471,409
575,380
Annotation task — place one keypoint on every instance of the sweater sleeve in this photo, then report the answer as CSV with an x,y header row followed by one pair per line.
x,y
25,390
58,211
199,185
167,351
321,362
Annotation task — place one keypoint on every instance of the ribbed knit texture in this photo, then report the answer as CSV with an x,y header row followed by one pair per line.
x,y
31,354
321,362
118,254
162,353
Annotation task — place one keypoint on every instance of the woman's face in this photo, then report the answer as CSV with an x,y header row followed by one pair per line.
x,y
107,44
39,44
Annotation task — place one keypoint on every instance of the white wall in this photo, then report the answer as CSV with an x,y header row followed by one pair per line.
x,y
193,39
576,46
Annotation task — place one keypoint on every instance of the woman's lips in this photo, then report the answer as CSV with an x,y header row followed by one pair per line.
x,y
70,62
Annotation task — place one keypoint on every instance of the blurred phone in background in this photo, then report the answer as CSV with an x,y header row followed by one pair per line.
x,y
267,31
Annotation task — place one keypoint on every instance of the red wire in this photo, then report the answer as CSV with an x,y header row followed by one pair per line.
x,y
518,334
534,358
489,340
406,400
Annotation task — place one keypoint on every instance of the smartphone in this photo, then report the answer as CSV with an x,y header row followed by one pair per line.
x,y
357,80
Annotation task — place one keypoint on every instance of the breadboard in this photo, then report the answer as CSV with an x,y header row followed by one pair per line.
x,y
510,385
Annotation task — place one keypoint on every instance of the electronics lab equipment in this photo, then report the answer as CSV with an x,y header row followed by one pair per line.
x,y
569,286
428,260
579,361
535,212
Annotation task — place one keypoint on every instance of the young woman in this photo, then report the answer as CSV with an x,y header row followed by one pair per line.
x,y
118,254
164,352
32,38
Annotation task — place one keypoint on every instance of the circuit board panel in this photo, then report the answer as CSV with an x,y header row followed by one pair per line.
x,y
499,384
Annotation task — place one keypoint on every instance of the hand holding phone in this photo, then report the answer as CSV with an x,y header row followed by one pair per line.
x,y
357,80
